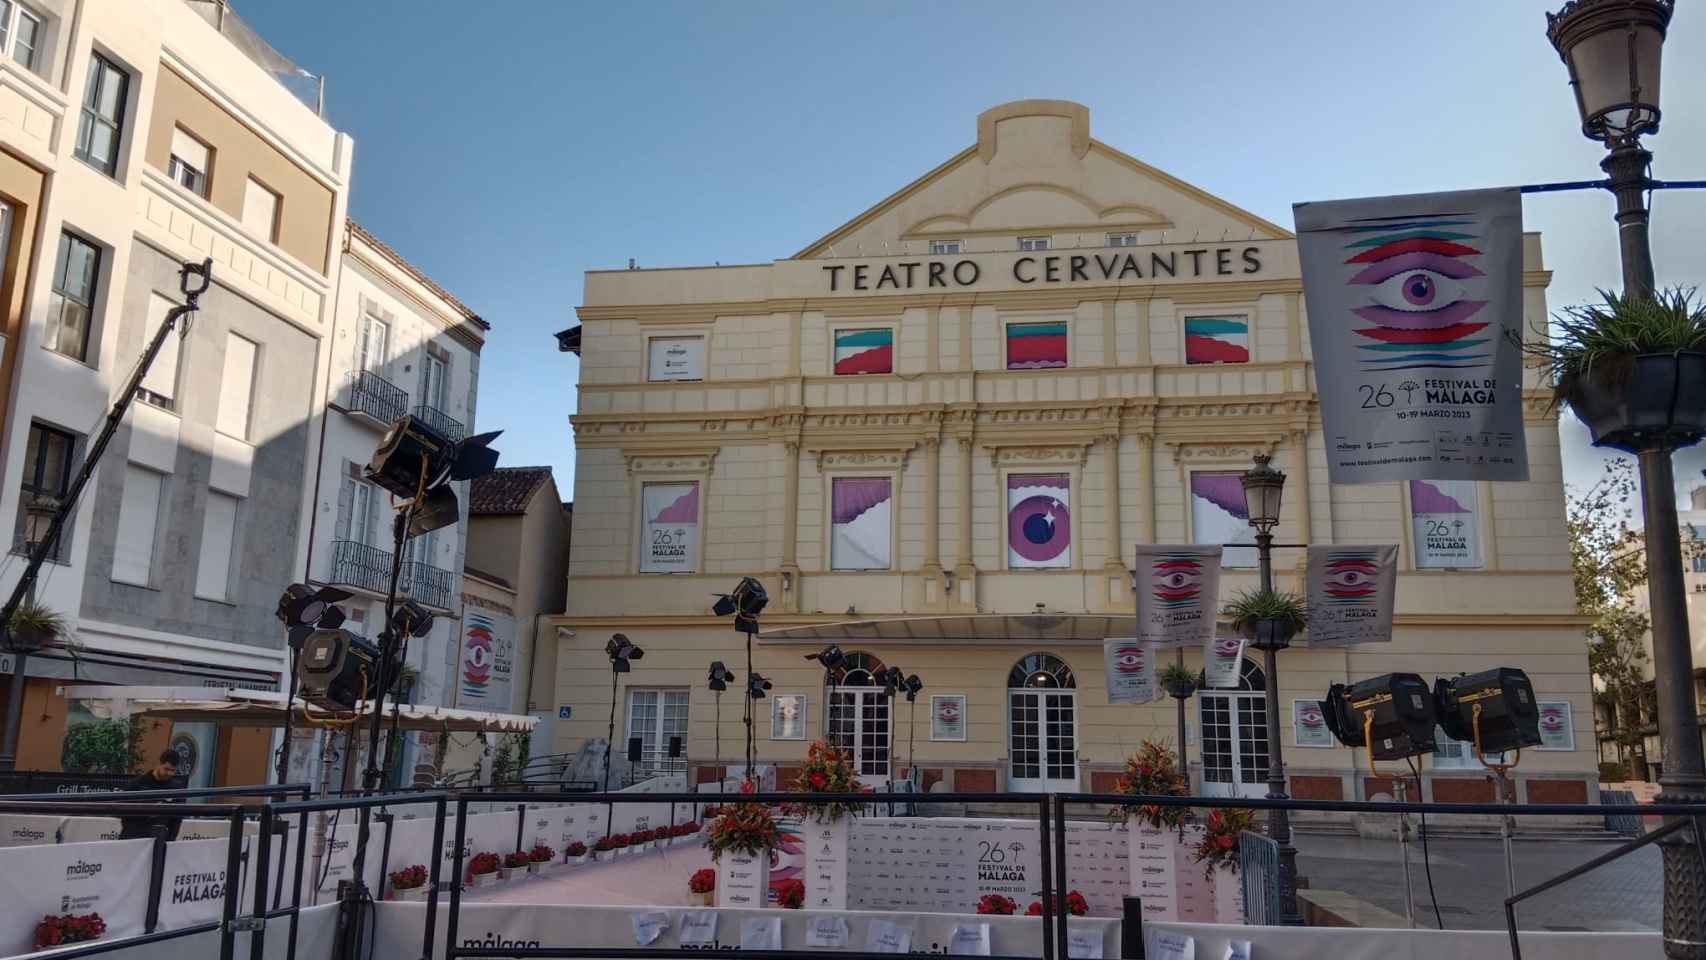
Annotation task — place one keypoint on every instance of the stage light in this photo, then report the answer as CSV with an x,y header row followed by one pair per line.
x,y
436,510
891,679
301,604
720,676
332,618
757,686
412,458
746,603
831,657
333,665
912,686
620,651
412,619
1392,715
1493,709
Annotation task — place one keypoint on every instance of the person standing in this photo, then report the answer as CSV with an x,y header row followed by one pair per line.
x,y
162,776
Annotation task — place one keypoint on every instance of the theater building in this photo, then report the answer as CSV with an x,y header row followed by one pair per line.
x,y
936,435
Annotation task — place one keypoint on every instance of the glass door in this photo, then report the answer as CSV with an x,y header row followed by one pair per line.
x,y
1234,743
859,720
1042,740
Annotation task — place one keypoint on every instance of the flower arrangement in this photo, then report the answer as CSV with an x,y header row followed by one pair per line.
x,y
828,769
482,865
702,881
711,812
1219,845
409,878
1153,771
997,905
541,854
791,894
517,859
689,828
54,931
604,848
575,852
744,828
1076,905
619,843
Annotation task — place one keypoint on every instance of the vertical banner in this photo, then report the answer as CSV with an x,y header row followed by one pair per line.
x,y
192,889
1220,515
1415,306
1039,521
488,660
861,521
1443,525
671,535
1221,658
1130,670
1351,590
826,862
1177,590
1155,870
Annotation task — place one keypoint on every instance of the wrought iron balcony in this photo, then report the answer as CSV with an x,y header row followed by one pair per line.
x,y
377,397
368,569
442,422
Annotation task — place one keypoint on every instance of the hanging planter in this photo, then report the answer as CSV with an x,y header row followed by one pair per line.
x,y
1267,618
1178,681
1633,370
33,627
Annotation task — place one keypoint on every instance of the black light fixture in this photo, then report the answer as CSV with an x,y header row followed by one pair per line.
x,y
746,602
891,679
620,650
437,509
415,462
302,605
1392,715
757,686
1495,710
720,676
1263,489
1612,49
338,668
912,685
831,657
412,619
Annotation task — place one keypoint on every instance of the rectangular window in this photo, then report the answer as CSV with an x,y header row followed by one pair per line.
x,y
1035,243
1217,340
218,532
655,716
1445,528
1032,346
138,524
861,523
1122,239
260,210
361,512
101,126
433,374
160,386
20,33
864,351
191,160
1039,521
375,341
1699,564
675,358
71,307
236,387
946,246
669,536
48,463
1219,515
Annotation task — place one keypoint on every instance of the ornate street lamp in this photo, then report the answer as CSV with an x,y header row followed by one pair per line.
x,y
1612,49
1264,488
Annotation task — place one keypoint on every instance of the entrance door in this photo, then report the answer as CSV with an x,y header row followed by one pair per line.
x,y
1042,740
859,719
1234,726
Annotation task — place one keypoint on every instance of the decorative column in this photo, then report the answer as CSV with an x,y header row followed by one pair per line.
x,y
965,571
1299,437
790,525
935,592
1115,572
1146,488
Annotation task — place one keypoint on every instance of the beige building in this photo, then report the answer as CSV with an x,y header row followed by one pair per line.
x,y
937,433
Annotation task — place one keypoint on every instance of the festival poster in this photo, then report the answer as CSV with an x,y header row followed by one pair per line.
x,y
1443,524
1416,313
1309,724
1217,340
487,667
788,717
1177,590
1219,515
1032,346
1351,593
671,535
1039,522
1221,658
861,522
864,351
948,716
1129,667
675,358
1556,729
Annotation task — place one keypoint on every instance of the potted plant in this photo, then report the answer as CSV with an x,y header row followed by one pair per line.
x,y
1633,369
1218,847
1178,680
1152,771
994,904
604,849
34,626
575,853
540,857
701,887
409,883
741,840
514,862
1076,905
1267,618
59,930
791,893
482,869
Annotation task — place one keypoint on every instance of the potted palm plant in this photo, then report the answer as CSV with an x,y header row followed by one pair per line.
x,y
1633,369
1178,680
1267,618
34,626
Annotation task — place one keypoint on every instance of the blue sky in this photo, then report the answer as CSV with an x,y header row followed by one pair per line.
x,y
506,148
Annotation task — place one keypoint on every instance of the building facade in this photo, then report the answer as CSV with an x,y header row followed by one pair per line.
x,y
936,434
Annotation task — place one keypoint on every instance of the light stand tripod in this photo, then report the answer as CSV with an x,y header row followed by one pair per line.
x,y
1401,789
1501,773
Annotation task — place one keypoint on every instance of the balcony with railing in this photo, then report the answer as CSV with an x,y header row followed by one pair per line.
x,y
374,396
442,422
368,569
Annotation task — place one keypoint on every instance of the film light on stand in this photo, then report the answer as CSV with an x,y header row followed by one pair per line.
x,y
1392,715
1494,710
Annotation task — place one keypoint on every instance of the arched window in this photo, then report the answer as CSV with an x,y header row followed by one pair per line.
x,y
858,670
1040,670
1251,678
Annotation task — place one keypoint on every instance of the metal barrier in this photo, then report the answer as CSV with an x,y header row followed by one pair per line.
x,y
1259,869
1625,824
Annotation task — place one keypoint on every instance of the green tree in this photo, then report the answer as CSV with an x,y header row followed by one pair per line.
x,y
1609,564
104,746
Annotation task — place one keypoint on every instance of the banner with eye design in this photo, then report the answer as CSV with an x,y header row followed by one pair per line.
x,y
1221,659
1130,670
1351,590
1415,324
1178,592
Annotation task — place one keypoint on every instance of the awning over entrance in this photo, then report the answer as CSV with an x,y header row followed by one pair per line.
x,y
253,708
985,628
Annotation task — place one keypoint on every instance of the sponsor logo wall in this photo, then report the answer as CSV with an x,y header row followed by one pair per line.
x,y
110,879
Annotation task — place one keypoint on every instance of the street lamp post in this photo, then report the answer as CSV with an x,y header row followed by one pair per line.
x,y
1612,49
1263,488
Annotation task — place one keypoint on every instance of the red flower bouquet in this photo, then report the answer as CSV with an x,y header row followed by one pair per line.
x,y
516,860
1219,845
541,854
575,849
702,881
409,878
827,770
482,863
1152,772
55,931
1076,905
744,828
997,905
790,894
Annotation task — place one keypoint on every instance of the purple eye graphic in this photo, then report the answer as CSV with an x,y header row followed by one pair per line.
x,y
1417,290
1128,659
